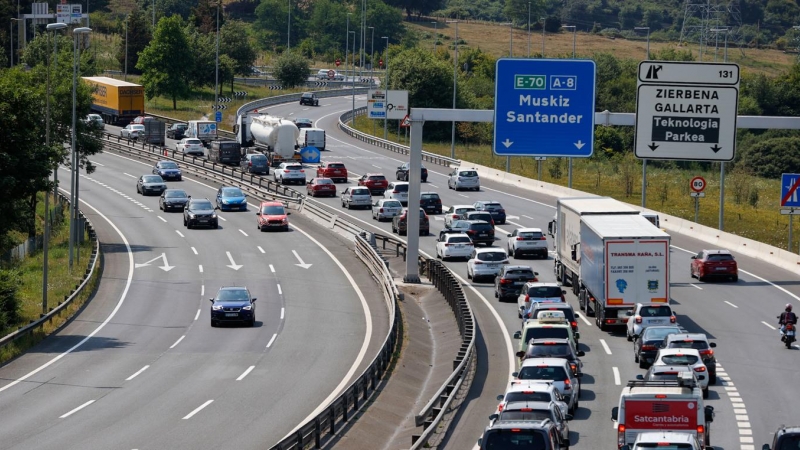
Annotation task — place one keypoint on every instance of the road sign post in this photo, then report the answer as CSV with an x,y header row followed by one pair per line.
x,y
218,116
790,204
544,107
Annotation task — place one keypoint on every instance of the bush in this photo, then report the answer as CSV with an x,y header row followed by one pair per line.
x,y
9,300
291,69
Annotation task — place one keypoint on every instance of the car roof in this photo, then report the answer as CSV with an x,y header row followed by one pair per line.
x,y
473,222
717,252
526,385
677,437
545,362
653,304
458,234
540,283
657,370
519,267
490,250
429,193
374,174
528,404
463,206
687,336
399,182
679,351
271,203
529,230
332,162
550,340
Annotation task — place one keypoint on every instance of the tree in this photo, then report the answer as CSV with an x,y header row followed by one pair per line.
x,y
204,16
517,10
163,63
418,7
139,34
770,158
203,50
271,23
234,43
291,69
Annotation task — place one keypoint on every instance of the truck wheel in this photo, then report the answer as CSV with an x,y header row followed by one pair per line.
x,y
582,300
598,318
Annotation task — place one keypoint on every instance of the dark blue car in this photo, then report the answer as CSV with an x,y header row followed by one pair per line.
x,y
230,198
494,208
233,304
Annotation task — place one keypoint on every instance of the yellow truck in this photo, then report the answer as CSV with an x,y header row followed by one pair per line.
x,y
117,101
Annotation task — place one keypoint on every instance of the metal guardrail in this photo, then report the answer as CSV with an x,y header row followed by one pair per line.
x,y
54,312
389,145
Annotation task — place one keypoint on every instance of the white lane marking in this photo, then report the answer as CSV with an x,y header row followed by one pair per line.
x,y
162,219
515,223
197,410
242,231
272,268
177,342
376,166
280,292
201,268
765,323
269,344
222,218
137,373
129,175
97,164
249,369
197,316
282,313
202,290
731,304
586,321
433,186
194,250
528,217
465,196
695,286
605,346
77,409
261,249
179,233
617,380
122,297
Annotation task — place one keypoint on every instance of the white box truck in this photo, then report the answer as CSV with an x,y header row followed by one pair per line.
x,y
205,130
311,137
623,260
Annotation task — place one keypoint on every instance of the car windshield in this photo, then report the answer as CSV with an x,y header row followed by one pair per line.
x,y
549,351
324,181
530,235
175,194
544,291
401,187
719,257
698,345
336,166
542,373
519,273
679,360
459,239
294,168
232,295
232,192
201,204
274,210
468,173
790,442
193,142
516,439
491,256
392,204
152,179
655,311
524,415
168,165
546,333
258,158
377,178
527,396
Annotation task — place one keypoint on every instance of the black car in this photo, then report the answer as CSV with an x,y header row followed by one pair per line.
x,y
646,345
430,202
233,304
554,348
168,170
511,279
480,232
495,208
402,173
785,437
303,123
458,226
200,212
173,199
479,215
309,98
177,131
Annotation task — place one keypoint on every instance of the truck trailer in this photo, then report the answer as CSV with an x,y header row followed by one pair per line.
x,y
205,130
623,260
274,136
118,102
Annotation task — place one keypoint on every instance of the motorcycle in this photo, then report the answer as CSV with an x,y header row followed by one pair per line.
x,y
789,335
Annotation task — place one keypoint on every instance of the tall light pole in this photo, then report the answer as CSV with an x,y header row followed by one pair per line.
x,y
511,38
216,65
455,74
716,32
347,45
372,55
50,27
569,160
386,88
363,36
154,15
644,161
289,26
73,225
353,110
126,46
435,35
648,38
574,29
11,35
529,29
544,22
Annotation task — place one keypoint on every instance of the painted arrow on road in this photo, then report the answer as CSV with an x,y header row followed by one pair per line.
x,y
302,264
233,264
166,267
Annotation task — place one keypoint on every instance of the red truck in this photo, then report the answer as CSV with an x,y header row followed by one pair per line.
x,y
336,171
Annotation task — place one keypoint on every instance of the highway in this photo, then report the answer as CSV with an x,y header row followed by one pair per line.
x,y
140,366
757,371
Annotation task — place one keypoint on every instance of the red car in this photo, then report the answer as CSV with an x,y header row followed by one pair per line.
x,y
321,186
141,119
272,215
714,264
336,171
376,182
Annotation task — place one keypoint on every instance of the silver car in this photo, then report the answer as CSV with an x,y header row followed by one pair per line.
x,y
356,196
386,209
150,184
95,121
464,179
131,131
190,146
397,190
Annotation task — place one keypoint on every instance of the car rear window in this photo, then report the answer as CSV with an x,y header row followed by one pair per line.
x,y
294,167
491,256
655,311
480,227
401,187
468,173
546,333
542,373
652,334
492,206
324,181
392,204
515,439
531,235
519,273
528,396
464,210
430,196
719,258
569,314
336,166
360,192
480,216
698,345
549,351
193,142
679,360
544,291
459,239
524,415
258,158
377,178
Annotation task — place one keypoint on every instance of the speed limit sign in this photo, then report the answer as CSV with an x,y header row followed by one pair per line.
x,y
698,184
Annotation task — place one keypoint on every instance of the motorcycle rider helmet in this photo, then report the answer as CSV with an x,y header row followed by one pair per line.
x,y
788,307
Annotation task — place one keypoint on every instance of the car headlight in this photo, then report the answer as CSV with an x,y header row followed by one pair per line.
x,y
191,215
225,202
247,308
216,307
284,220
213,215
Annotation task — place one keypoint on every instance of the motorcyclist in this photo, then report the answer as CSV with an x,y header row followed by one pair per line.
x,y
787,316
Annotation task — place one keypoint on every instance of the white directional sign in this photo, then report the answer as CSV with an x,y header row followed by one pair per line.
x,y
686,110
383,104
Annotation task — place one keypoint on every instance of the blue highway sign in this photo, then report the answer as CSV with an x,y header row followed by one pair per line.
x,y
789,191
310,155
544,107
218,116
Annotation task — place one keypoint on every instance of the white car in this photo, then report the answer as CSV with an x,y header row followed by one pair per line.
x,y
95,121
386,209
644,315
689,357
456,212
397,190
454,245
666,439
190,146
290,172
538,292
532,391
464,179
131,131
486,263
527,241
356,196
558,372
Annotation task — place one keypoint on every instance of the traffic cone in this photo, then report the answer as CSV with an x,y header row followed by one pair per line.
x,y
166,152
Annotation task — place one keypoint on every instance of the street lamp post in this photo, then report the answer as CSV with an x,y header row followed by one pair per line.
x,y
372,67
544,22
569,160
644,161
574,29
648,38
386,88
154,14
53,27
435,35
289,25
455,69
353,110
216,66
74,236
11,35
126,47
716,32
529,29
363,37
347,46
